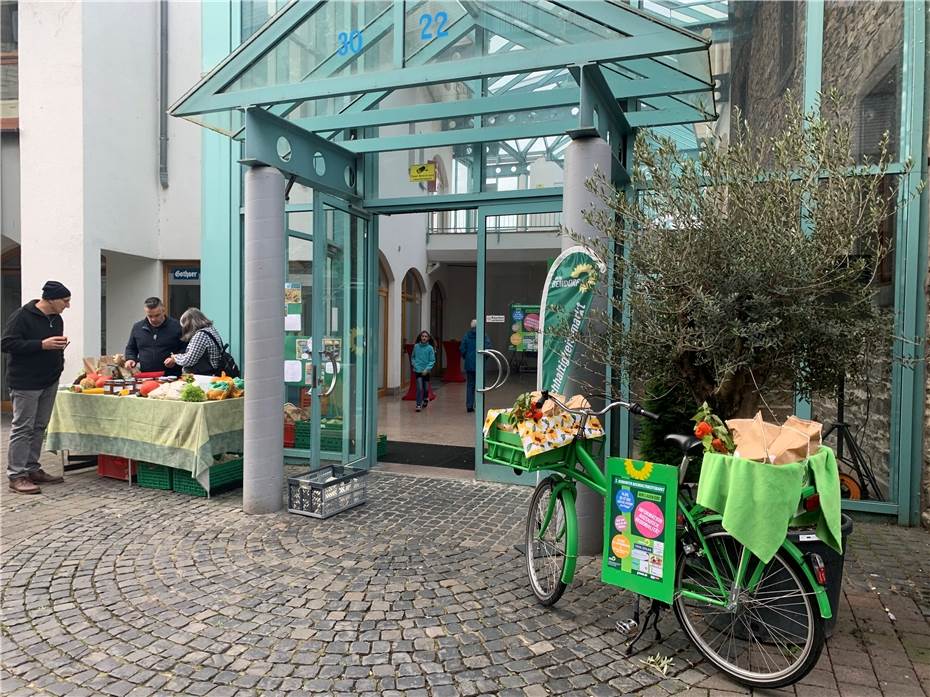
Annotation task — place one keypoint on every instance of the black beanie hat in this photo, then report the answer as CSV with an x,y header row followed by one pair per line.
x,y
53,290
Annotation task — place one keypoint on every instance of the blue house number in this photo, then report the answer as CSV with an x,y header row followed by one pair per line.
x,y
426,21
350,42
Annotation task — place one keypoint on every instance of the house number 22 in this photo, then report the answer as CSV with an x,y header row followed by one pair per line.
x,y
426,21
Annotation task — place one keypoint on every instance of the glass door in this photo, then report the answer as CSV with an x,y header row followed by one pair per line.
x,y
329,296
340,381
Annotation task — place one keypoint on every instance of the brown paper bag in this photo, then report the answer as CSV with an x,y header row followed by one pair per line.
x,y
753,437
799,439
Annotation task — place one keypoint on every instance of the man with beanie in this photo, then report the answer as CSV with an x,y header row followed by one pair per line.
x,y
34,338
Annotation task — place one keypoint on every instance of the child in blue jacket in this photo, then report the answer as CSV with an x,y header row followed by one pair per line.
x,y
422,361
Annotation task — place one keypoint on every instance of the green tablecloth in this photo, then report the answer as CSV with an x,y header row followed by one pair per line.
x,y
183,435
759,501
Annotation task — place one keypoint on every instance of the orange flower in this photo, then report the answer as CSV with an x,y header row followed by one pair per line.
x,y
703,429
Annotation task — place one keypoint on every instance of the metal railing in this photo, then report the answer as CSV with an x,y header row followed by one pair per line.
x,y
447,223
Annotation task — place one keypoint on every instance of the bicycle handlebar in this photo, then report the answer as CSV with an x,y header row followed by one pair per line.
x,y
632,407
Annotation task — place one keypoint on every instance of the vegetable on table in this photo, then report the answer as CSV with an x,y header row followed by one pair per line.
x,y
93,390
193,393
146,387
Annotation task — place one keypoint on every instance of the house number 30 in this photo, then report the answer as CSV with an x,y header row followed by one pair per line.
x,y
350,42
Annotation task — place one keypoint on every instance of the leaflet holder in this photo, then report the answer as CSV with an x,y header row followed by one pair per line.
x,y
503,368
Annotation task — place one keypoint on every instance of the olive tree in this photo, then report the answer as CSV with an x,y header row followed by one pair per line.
x,y
747,265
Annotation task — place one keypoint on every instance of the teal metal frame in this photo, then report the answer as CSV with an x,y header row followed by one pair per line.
x,y
597,86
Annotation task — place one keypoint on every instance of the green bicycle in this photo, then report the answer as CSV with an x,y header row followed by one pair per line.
x,y
761,623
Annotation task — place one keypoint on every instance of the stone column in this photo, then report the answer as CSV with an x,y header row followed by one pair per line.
x,y
263,367
582,157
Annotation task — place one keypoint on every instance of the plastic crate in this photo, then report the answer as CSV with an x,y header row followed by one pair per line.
x,y
506,448
152,476
327,492
289,436
220,475
115,467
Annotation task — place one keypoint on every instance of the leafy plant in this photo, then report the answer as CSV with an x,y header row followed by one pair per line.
x,y
748,265
712,432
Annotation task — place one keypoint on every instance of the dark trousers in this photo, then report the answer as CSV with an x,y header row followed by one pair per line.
x,y
32,410
422,390
470,379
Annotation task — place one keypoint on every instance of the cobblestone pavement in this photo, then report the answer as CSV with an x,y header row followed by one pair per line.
x,y
116,591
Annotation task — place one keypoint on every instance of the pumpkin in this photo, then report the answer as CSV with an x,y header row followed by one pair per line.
x,y
148,386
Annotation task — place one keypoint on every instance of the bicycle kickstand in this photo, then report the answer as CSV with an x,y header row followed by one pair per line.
x,y
654,610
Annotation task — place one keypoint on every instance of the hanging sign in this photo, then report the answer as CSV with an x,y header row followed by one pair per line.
x,y
566,299
639,532
423,173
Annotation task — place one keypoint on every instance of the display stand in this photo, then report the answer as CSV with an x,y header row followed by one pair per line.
x,y
453,372
411,395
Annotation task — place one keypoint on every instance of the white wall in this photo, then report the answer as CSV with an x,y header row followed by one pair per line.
x,y
180,203
130,280
89,117
52,113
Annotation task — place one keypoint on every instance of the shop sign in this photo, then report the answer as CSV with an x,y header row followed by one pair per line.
x,y
639,530
495,319
187,274
423,173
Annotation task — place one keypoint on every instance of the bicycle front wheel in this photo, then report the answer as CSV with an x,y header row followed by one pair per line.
x,y
769,636
546,543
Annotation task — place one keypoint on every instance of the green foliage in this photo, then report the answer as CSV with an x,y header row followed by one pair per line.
x,y
674,409
749,265
192,392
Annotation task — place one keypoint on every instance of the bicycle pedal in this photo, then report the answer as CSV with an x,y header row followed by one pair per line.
x,y
629,627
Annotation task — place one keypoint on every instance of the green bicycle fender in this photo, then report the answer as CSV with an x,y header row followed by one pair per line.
x,y
571,531
823,601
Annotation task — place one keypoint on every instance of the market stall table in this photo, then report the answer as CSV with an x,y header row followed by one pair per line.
x,y
182,435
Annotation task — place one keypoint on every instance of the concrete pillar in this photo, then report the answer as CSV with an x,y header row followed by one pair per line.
x,y
263,367
582,156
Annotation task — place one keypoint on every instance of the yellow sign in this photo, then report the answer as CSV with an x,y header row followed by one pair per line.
x,y
423,173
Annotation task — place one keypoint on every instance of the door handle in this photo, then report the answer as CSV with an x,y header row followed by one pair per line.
x,y
332,361
501,378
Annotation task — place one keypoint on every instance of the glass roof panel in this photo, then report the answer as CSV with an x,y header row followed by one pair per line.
x,y
338,38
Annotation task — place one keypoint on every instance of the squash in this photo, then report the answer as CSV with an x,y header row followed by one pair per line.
x,y
94,390
215,394
148,386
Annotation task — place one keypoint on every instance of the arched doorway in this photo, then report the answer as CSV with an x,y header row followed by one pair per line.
x,y
411,302
437,301
384,316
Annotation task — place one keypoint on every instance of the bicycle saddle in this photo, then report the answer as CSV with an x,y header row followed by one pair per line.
x,y
689,444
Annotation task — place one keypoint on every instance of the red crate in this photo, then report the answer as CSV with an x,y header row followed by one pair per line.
x,y
289,435
114,467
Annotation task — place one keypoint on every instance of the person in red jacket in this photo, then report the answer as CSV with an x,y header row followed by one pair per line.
x,y
35,339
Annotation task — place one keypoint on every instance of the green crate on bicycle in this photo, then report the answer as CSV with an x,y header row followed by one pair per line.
x,y
533,445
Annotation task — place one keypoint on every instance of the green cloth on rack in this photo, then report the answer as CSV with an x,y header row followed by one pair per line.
x,y
759,501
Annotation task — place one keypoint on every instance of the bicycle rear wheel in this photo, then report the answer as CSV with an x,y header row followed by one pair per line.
x,y
546,549
769,637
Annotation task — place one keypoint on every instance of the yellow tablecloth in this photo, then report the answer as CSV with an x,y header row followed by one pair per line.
x,y
183,435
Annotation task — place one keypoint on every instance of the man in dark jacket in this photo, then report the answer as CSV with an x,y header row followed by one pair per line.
x,y
469,349
34,338
153,339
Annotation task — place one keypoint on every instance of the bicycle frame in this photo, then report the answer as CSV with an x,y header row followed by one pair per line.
x,y
693,517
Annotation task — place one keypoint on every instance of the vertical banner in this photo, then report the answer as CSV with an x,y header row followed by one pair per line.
x,y
566,299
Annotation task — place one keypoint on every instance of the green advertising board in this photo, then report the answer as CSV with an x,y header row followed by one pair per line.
x,y
639,539
524,327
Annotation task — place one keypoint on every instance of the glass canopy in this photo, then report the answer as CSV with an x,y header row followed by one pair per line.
x,y
468,72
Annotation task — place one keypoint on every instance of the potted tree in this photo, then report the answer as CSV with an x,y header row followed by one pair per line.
x,y
747,266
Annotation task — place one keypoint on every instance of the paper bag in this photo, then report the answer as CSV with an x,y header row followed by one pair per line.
x,y
799,439
111,366
753,437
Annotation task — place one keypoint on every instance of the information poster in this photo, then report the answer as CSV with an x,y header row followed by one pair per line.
x,y
297,355
524,327
293,304
639,539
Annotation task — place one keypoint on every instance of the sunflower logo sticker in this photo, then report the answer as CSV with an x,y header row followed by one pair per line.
x,y
639,473
586,272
